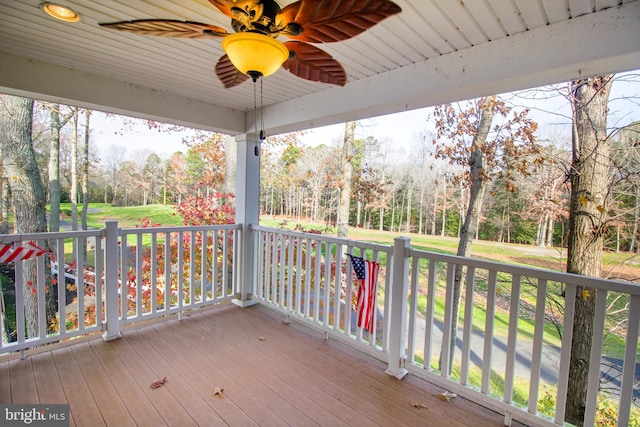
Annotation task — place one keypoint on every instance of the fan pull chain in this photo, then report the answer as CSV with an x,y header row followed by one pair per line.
x,y
262,134
255,106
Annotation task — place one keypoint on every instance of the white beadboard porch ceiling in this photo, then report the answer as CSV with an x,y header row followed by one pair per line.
x,y
434,51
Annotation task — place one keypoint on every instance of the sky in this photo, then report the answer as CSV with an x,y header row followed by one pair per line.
x,y
400,130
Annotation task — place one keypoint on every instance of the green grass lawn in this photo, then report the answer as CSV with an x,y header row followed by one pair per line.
x,y
509,253
129,217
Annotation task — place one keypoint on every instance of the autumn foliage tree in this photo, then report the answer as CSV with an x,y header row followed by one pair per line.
x,y
481,152
201,204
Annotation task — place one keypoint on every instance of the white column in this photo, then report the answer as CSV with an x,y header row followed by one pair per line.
x,y
399,296
247,210
112,330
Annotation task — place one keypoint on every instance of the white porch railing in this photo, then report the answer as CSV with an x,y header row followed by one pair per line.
x,y
507,340
507,335
308,276
125,274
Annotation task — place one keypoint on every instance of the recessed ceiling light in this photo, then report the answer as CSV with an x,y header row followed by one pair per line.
x,y
59,12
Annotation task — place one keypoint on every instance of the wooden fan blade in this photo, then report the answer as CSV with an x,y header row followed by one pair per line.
x,y
226,6
312,63
334,20
167,28
228,73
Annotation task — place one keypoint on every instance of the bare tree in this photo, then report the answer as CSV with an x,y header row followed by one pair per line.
x,y
58,121
73,192
85,171
468,140
313,168
113,160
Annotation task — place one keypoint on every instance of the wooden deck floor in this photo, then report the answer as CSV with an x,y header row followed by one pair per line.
x,y
272,374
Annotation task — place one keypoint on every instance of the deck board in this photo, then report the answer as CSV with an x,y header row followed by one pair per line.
x,y
184,378
134,396
23,385
272,373
223,371
141,373
298,353
83,408
190,369
47,380
273,391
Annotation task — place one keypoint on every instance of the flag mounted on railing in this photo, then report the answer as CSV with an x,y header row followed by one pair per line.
x,y
367,276
10,253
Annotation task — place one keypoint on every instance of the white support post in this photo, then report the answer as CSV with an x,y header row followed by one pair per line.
x,y
112,330
247,211
399,298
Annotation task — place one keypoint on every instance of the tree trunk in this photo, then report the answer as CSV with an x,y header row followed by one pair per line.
x,y
550,231
409,197
461,210
73,192
345,191
479,217
4,205
589,183
541,236
401,212
26,188
550,226
468,230
420,218
54,169
636,219
435,212
393,212
508,218
444,207
85,174
502,224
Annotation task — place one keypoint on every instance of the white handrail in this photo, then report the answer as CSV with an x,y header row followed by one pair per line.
x,y
308,277
121,282
290,284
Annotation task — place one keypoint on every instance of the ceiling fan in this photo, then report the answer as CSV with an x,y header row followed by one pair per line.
x,y
260,22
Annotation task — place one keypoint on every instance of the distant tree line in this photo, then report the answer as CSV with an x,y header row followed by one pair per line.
x,y
423,193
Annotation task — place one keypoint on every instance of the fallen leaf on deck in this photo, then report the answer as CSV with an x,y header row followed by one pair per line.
x,y
158,383
218,392
446,395
419,405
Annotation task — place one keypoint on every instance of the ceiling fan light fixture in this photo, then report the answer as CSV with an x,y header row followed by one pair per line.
x,y
60,12
255,54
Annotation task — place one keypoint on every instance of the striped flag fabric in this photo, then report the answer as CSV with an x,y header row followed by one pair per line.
x,y
10,253
367,277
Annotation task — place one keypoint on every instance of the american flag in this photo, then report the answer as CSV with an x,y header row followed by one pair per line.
x,y
9,253
367,276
